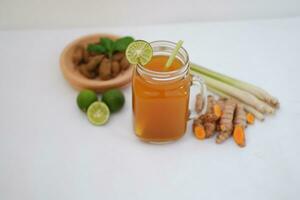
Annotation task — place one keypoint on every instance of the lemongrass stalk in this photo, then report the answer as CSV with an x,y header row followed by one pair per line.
x,y
239,94
258,92
174,53
258,115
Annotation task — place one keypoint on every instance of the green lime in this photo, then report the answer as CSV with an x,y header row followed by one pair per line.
x,y
139,51
98,113
85,98
114,99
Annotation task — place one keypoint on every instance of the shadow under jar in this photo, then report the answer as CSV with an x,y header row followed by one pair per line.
x,y
160,96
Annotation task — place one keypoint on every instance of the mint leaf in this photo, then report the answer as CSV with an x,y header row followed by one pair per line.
x,y
108,44
96,48
122,43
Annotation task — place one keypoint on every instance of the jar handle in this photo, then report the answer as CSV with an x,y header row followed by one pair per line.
x,y
199,82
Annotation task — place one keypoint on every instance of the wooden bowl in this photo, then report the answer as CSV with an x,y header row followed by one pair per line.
x,y
77,80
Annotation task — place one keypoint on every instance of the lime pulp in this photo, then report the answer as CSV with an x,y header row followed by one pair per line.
x,y
98,113
139,52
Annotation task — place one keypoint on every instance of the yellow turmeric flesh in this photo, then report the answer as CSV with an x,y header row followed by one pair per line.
x,y
239,136
198,129
221,103
211,116
250,118
199,132
217,110
226,121
239,125
205,125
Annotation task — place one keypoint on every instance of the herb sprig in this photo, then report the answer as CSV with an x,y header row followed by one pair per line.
x,y
109,47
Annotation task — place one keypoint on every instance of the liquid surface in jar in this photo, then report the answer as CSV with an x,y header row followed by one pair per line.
x,y
158,63
160,108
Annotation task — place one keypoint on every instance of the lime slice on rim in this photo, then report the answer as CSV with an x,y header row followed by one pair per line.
x,y
139,52
98,113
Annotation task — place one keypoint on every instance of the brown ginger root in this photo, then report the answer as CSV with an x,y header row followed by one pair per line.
x,y
115,68
78,54
94,63
105,69
226,121
118,56
89,69
124,63
87,73
239,126
250,118
86,56
88,63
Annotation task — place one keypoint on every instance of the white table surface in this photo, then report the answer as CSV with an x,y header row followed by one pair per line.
x,y
48,149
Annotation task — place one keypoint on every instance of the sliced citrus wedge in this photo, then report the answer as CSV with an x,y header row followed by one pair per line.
x,y
139,52
98,113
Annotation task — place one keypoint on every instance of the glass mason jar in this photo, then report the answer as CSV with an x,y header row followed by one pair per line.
x,y
160,99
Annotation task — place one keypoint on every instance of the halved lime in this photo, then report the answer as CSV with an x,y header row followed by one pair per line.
x,y
98,113
139,51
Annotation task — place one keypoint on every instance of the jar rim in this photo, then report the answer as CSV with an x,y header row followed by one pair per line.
x,y
174,73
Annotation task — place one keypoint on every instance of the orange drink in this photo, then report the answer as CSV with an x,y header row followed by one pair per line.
x,y
161,95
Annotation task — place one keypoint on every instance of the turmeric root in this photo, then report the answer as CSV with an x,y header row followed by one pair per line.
x,y
240,116
239,135
209,128
239,125
217,110
250,118
198,129
211,116
226,123
221,103
207,122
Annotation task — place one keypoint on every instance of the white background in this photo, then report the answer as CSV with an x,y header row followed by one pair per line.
x,y
49,151
98,13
